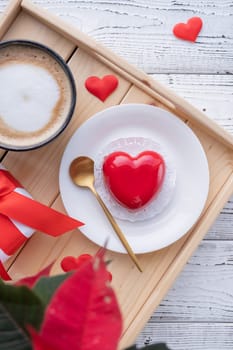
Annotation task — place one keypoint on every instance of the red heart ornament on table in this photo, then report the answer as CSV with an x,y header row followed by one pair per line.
x,y
101,88
188,31
134,181
70,263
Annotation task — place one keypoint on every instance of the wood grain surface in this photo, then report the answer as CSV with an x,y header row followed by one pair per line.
x,y
197,313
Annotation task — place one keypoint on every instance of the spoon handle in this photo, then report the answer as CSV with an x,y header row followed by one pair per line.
x,y
117,229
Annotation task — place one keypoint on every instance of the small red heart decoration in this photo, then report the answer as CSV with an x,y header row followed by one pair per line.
x,y
134,181
70,263
188,31
101,88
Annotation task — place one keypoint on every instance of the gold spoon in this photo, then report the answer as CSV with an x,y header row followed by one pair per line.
x,y
82,174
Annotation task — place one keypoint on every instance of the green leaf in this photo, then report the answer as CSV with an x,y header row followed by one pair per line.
x,y
46,286
160,346
22,304
11,336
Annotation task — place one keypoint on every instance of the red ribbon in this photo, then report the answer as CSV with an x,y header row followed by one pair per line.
x,y
3,273
28,212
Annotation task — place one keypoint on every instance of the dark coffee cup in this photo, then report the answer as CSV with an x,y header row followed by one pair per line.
x,y
37,95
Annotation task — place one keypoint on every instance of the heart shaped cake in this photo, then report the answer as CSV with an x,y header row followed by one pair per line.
x,y
134,181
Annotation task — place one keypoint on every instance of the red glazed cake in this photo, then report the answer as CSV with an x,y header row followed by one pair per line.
x,y
134,181
135,177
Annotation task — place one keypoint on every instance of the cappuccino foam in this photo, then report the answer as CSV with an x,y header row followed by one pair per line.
x,y
35,96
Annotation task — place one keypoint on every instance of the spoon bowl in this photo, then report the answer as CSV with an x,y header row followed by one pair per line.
x,y
82,172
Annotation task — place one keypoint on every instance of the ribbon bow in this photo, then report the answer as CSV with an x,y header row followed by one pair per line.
x,y
17,209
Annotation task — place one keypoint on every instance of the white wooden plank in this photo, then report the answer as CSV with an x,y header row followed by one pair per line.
x,y
223,226
212,94
141,31
189,336
204,290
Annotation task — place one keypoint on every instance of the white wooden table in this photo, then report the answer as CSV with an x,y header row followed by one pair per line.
x,y
197,313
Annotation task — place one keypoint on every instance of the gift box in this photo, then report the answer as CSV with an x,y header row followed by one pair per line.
x,y
21,216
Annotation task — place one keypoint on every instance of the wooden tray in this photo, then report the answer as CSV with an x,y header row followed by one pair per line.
x,y
37,170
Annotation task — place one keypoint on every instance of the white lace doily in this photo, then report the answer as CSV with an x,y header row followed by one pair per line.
x,y
134,146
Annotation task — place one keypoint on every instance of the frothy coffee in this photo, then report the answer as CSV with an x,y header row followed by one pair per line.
x,y
35,96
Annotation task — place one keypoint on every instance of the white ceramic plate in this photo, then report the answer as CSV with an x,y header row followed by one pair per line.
x,y
192,176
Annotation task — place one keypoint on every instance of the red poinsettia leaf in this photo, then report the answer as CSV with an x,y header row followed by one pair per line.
x,y
83,313
31,280
38,343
